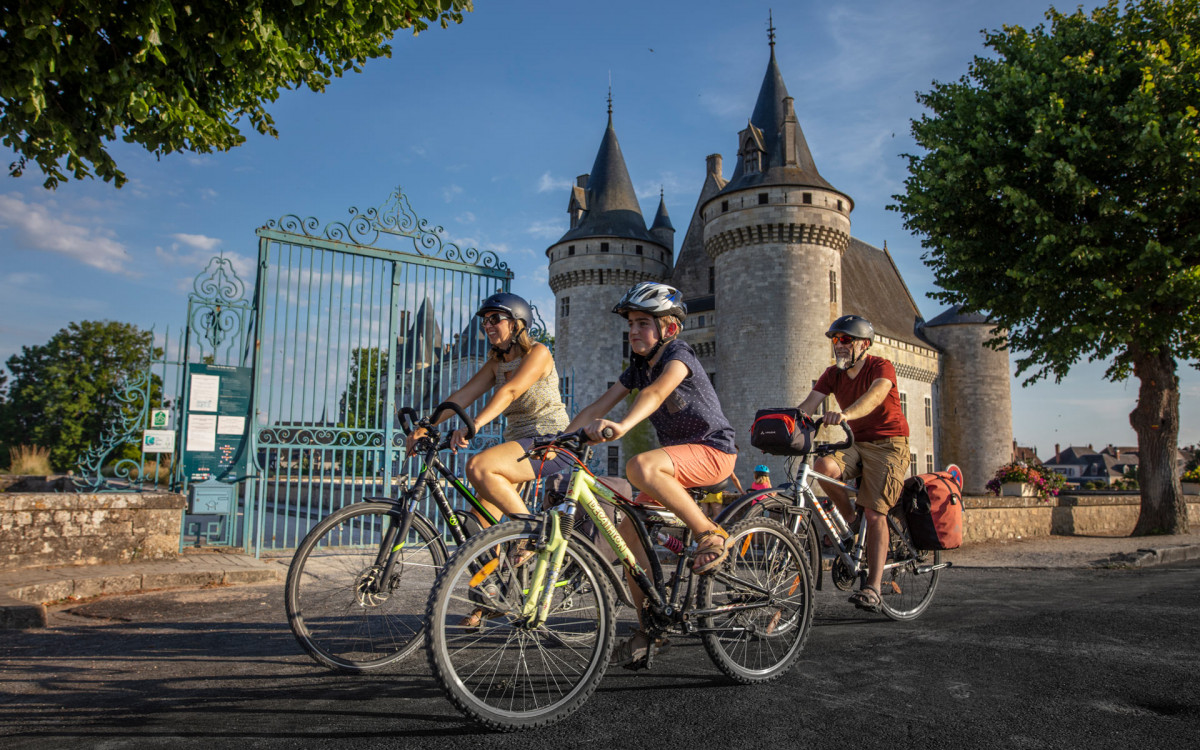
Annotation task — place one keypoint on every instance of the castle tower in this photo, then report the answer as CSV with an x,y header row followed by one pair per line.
x,y
606,250
974,425
776,234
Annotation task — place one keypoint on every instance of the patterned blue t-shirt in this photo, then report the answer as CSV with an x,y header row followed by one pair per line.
x,y
691,414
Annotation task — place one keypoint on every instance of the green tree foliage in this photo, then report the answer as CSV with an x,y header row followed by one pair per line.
x,y
175,76
64,392
1058,193
363,403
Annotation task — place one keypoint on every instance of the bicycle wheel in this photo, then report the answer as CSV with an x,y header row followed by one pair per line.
x,y
338,610
766,589
906,591
501,671
782,507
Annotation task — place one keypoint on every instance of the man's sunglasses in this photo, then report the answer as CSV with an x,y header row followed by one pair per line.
x,y
842,338
493,319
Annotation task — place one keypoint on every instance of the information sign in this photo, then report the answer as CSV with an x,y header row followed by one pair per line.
x,y
215,443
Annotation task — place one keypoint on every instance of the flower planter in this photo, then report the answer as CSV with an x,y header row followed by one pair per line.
x,y
1018,489
1191,488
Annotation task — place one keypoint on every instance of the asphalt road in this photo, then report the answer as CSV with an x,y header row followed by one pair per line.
x,y
1003,658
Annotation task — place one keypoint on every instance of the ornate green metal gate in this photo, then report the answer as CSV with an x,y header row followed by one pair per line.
x,y
346,329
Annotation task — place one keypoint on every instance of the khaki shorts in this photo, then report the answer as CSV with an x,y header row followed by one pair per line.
x,y
883,465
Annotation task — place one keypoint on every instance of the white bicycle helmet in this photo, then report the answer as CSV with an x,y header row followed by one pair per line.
x,y
653,298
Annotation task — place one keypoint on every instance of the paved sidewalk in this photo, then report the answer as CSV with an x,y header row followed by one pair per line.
x,y
25,593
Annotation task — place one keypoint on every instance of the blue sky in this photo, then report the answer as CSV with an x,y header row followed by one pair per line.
x,y
485,125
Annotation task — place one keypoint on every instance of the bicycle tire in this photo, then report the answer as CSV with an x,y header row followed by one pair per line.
x,y
905,593
334,618
760,644
502,673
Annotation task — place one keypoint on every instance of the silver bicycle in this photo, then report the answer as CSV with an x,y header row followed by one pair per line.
x,y
910,575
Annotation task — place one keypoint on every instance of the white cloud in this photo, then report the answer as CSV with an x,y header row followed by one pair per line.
x,y
547,184
550,229
465,218
198,241
37,228
195,251
452,192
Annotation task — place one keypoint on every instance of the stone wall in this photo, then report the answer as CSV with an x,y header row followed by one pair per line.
x,y
42,529
991,518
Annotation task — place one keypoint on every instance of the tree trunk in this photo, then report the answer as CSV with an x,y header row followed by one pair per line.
x,y
1155,419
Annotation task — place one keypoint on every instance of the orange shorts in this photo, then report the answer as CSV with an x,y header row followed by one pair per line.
x,y
695,466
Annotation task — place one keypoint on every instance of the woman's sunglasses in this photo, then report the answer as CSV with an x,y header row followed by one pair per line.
x,y
493,319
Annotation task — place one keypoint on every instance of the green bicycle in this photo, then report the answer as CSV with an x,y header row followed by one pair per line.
x,y
544,647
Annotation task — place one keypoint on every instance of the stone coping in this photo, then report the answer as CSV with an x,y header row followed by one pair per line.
x,y
1062,501
11,502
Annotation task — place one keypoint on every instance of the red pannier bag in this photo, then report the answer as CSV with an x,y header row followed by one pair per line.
x,y
932,503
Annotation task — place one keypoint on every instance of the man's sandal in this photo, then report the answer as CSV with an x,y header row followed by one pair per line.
x,y
867,598
710,545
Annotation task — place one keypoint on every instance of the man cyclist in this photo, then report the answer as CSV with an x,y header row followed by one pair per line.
x,y
867,394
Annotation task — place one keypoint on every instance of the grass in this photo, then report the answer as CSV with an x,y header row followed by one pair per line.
x,y
29,460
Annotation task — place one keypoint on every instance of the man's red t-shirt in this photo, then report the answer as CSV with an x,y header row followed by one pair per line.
x,y
887,420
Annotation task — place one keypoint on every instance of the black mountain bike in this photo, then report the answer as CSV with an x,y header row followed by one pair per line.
x,y
357,586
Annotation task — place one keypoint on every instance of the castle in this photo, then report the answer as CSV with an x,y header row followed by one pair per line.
x,y
766,264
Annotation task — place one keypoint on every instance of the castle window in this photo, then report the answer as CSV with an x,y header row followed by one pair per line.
x,y
700,322
637,249
912,464
928,412
712,378
724,206
566,386
570,249
712,279
806,197
604,247
904,405
839,205
564,307
614,461
762,199
928,463
833,286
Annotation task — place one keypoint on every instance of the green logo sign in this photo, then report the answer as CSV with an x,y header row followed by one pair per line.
x,y
159,418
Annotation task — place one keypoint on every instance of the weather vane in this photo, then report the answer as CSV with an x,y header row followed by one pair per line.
x,y
770,29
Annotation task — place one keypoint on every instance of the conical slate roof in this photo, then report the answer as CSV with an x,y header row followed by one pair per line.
x,y
661,219
769,113
612,204
954,315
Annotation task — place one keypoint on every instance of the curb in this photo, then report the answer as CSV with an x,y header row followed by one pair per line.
x,y
23,606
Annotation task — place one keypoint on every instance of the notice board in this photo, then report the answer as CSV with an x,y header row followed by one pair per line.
x,y
216,422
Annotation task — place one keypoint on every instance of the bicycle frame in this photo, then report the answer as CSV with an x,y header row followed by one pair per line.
x,y
587,491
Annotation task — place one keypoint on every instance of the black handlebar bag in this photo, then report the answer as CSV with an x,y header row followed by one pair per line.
x,y
782,432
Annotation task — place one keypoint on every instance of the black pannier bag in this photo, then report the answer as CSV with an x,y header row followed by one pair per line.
x,y
782,432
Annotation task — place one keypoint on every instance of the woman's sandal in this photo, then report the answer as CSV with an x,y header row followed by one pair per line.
x,y
867,598
711,542
520,554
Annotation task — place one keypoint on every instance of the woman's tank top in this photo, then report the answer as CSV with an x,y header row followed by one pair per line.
x,y
537,411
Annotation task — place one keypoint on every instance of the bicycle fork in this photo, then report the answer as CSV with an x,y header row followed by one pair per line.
x,y
552,548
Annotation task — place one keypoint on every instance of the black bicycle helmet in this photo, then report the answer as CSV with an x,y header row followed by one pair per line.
x,y
852,325
509,304
653,298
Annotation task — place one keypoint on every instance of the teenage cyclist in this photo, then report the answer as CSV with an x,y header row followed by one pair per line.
x,y
697,439
522,372
866,392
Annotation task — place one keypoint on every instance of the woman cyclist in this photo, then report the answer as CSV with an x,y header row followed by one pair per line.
x,y
522,372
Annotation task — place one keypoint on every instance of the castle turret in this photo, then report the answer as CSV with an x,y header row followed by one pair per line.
x,y
974,425
607,250
662,230
776,234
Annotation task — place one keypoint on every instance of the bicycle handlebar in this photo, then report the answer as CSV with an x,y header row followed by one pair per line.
x,y
831,447
462,414
576,442
410,420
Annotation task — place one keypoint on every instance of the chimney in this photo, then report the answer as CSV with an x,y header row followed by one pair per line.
x,y
582,181
713,162
1056,452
